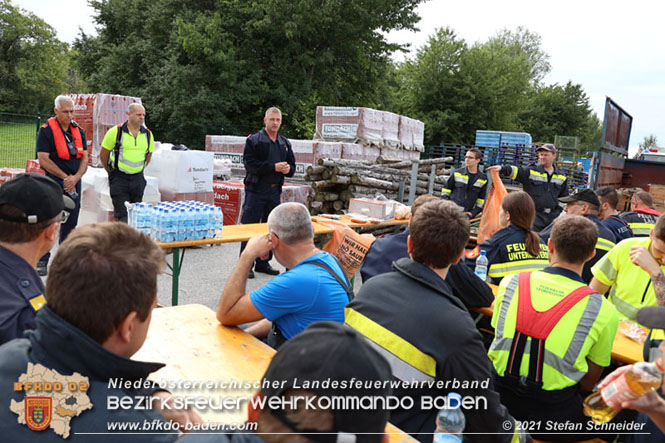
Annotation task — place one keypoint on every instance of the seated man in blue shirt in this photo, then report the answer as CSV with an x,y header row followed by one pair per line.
x,y
313,289
32,207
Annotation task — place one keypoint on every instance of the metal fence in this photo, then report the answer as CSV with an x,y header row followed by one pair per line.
x,y
18,137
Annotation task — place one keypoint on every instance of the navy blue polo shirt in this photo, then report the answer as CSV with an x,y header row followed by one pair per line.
x,y
21,295
46,143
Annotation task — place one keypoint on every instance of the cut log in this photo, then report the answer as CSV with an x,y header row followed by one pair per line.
x,y
315,169
428,161
340,179
338,205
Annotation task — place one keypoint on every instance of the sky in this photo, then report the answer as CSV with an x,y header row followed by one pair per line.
x,y
612,48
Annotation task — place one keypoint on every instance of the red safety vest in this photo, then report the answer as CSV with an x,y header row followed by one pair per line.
x,y
61,143
537,325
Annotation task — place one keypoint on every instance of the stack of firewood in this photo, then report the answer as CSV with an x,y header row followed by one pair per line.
x,y
335,182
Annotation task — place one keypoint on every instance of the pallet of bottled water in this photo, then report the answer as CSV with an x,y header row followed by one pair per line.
x,y
177,220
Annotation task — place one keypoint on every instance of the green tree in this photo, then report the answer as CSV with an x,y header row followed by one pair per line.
x,y
206,64
557,110
34,64
647,142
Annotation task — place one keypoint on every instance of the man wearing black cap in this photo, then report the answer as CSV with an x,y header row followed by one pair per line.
x,y
326,361
544,183
62,153
586,203
32,207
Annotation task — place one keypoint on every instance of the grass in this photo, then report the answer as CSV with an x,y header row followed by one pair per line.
x,y
17,143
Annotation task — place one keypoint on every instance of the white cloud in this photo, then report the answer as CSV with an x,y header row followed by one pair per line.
x,y
612,48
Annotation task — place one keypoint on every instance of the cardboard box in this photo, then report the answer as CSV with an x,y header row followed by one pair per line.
x,y
182,172
383,210
96,203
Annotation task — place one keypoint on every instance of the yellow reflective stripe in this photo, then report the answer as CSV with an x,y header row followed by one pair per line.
x,y
497,270
459,177
481,181
624,307
538,174
605,271
514,172
604,245
641,229
390,341
446,190
37,302
480,202
559,177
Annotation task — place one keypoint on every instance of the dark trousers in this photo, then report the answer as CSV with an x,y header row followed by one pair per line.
x,y
125,188
68,227
255,209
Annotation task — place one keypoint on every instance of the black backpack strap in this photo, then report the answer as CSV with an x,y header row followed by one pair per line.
x,y
148,135
118,145
345,283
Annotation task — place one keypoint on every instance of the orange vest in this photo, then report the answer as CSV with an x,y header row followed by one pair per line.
x,y
61,143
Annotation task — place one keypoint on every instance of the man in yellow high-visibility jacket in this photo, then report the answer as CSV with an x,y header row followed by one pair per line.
x,y
634,270
126,151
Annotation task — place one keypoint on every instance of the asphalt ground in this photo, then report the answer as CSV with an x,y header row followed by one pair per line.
x,y
204,273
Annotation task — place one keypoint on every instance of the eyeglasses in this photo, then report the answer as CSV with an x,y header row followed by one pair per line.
x,y
471,157
64,216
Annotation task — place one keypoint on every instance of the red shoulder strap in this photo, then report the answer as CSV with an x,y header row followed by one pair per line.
x,y
539,324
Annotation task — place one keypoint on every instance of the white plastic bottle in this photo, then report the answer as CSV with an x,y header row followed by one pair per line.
x,y
481,266
450,421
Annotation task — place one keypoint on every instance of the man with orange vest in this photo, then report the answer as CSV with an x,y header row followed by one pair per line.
x,y
62,153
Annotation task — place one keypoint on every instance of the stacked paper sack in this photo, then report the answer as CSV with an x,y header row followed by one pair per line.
x,y
369,127
96,114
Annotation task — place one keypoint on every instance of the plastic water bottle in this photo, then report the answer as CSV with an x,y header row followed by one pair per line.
x,y
481,266
189,224
219,222
450,421
180,220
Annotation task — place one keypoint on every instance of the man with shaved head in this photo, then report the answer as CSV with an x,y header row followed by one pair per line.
x,y
126,151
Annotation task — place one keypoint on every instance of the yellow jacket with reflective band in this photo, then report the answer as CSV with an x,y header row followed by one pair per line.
x,y
133,151
631,287
586,331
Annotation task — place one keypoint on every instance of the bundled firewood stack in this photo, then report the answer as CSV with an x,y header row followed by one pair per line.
x,y
336,181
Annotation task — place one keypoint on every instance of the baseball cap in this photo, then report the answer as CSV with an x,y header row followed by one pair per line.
x,y
584,195
335,361
548,147
652,317
39,197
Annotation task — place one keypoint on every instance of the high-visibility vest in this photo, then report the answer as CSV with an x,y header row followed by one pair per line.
x,y
630,286
555,361
59,138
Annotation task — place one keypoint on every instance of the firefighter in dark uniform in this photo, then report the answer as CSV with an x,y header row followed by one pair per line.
x,y
411,317
268,158
467,186
515,248
643,217
544,183
586,203
609,216
554,334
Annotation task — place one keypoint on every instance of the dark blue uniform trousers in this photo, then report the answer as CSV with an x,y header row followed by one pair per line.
x,y
255,209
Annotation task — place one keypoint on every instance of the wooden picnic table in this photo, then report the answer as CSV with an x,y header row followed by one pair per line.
x,y
240,233
230,234
196,348
624,349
